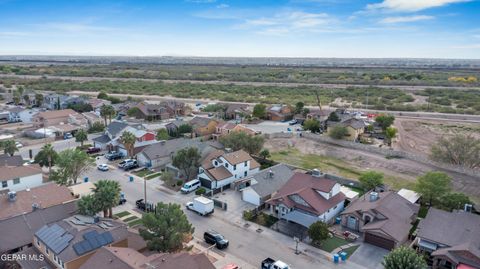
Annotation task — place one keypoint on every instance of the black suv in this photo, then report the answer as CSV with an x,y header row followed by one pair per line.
x,y
212,237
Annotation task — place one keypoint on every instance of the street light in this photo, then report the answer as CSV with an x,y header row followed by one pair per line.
x,y
297,240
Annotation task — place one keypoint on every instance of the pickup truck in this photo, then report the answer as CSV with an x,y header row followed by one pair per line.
x,y
113,155
270,263
92,150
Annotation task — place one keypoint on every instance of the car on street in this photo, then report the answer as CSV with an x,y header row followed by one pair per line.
x,y
270,263
130,165
102,167
140,204
67,136
113,155
214,238
190,186
92,150
122,199
292,122
201,205
125,162
18,144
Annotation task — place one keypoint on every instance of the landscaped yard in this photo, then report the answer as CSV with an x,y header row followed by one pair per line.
x,y
350,250
130,219
153,175
144,172
332,243
135,223
122,214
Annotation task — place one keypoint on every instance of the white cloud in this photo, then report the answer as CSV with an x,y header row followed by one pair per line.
x,y
401,19
76,27
223,6
201,1
411,5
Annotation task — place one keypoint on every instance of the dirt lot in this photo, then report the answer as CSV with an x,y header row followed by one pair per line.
x,y
417,136
350,162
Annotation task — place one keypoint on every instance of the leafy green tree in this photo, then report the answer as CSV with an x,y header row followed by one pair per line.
x,y
166,229
460,149
265,153
242,140
71,163
432,186
128,140
390,134
102,95
260,111
81,136
9,147
454,200
47,156
371,179
299,107
96,127
312,125
133,111
187,160
39,99
184,129
338,132
162,134
305,111
88,205
16,99
107,195
26,98
404,258
318,232
333,117
384,121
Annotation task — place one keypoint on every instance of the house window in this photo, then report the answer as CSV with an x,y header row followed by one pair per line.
x,y
234,167
226,165
216,163
38,242
16,181
4,184
245,163
245,173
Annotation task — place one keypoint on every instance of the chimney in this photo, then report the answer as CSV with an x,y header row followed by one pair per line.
x,y
35,206
12,196
270,173
373,196
316,173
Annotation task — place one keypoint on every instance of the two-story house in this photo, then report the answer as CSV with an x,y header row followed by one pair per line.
x,y
280,112
203,127
450,239
220,169
385,218
308,198
54,117
21,177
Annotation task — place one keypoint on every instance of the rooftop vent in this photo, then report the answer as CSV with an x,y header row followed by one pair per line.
x,y
373,196
12,196
468,208
35,206
316,173
270,173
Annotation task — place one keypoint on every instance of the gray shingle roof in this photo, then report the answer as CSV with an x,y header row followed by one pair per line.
x,y
267,185
115,127
102,139
164,149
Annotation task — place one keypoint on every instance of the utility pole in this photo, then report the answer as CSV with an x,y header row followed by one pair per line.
x,y
297,240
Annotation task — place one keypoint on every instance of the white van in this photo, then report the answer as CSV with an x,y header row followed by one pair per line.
x,y
190,186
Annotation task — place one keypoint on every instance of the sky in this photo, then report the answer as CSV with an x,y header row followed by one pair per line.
x,y
242,28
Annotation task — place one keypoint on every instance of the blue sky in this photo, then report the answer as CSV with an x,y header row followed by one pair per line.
x,y
261,28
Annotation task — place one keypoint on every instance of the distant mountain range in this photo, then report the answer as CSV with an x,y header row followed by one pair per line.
x,y
305,62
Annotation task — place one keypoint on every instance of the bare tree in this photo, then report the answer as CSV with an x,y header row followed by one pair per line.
x,y
460,149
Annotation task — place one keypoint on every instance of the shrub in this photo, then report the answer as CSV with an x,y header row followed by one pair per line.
x,y
179,182
248,215
200,191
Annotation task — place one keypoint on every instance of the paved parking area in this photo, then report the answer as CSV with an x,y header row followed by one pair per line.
x,y
268,127
369,256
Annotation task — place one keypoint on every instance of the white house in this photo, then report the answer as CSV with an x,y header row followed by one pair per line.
x,y
221,169
306,199
17,178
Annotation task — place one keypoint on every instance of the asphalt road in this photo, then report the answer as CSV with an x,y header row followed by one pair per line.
x,y
245,243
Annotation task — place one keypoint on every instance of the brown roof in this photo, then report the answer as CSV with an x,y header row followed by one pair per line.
x,y
11,172
45,196
126,258
8,160
237,157
219,173
226,125
307,187
207,162
398,213
65,127
52,114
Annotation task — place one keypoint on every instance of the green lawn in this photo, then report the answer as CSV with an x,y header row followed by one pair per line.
x,y
332,243
153,175
130,218
350,250
144,172
422,212
135,223
122,214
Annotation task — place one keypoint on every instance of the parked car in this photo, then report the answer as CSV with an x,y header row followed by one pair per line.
x,y
122,199
102,167
270,263
67,136
18,144
292,122
113,155
92,150
214,238
140,204
201,205
130,165
190,186
125,162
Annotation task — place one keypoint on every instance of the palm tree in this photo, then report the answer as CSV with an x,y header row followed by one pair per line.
x,y
128,140
9,147
87,205
390,134
47,156
26,98
107,195
107,111
81,136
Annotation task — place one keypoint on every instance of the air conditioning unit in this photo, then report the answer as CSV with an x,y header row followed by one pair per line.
x,y
12,196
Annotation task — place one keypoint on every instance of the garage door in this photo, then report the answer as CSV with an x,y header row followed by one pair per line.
x,y
205,182
379,241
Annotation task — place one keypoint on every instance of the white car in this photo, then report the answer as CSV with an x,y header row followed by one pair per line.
x,y
18,144
102,167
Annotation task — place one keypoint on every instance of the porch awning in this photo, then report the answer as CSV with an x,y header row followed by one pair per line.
x,y
427,245
301,218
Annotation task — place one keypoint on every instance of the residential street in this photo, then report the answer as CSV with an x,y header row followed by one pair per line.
x,y
59,145
244,242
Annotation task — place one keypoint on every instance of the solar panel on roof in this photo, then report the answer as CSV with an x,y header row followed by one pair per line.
x,y
90,235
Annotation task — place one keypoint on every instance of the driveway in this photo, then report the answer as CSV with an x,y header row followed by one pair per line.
x,y
369,256
269,127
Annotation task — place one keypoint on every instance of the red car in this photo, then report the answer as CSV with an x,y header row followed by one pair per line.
x,y
91,150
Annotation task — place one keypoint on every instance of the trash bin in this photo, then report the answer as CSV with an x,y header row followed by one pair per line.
x,y
335,258
131,178
343,256
338,220
85,179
